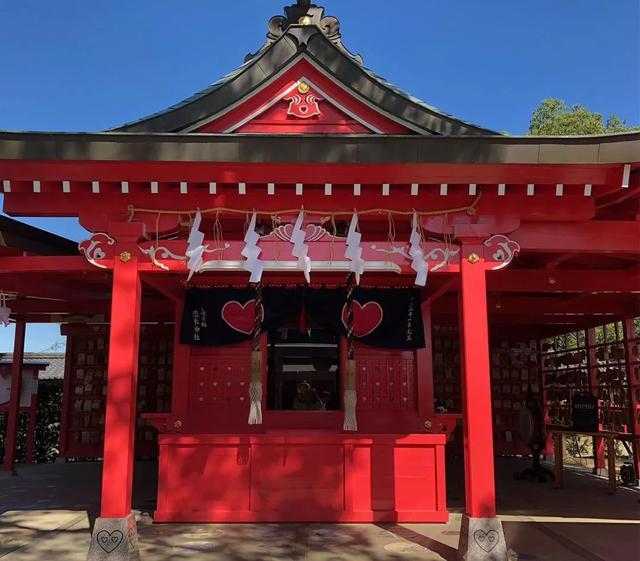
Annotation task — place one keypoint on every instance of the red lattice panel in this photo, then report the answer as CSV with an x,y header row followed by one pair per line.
x,y
386,381
219,380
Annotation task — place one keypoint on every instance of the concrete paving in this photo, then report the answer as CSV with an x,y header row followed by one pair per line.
x,y
47,510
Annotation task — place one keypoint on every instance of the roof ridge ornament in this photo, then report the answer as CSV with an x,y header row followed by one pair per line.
x,y
304,13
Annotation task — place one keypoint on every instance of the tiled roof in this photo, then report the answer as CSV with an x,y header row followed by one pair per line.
x,y
287,41
54,362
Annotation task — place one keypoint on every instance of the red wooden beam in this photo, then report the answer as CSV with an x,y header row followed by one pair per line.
x,y
53,286
48,264
95,211
103,306
564,280
590,237
527,306
559,260
14,398
252,172
449,285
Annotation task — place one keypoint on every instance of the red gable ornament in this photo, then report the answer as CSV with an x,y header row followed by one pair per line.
x,y
303,103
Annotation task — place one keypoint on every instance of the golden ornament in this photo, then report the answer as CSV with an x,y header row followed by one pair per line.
x,y
125,256
473,258
303,87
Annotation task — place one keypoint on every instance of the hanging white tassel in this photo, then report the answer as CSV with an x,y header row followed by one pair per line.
x,y
255,411
350,397
251,252
419,264
354,249
300,249
195,249
5,311
255,389
350,400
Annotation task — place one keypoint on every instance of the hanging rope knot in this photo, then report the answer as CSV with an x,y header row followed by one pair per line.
x,y
255,387
349,395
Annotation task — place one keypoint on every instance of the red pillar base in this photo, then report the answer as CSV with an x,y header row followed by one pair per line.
x,y
482,539
114,539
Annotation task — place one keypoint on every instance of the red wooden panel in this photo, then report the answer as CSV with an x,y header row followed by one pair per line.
x,y
205,478
219,380
301,477
386,380
276,120
305,479
260,118
415,474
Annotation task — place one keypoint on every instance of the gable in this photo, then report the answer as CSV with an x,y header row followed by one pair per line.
x,y
250,99
301,100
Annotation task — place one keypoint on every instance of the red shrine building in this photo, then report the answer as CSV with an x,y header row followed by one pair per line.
x,y
305,288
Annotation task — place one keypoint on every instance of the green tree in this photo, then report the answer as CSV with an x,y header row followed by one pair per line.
x,y
554,117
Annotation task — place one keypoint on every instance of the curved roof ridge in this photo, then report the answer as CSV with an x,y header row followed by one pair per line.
x,y
323,48
193,97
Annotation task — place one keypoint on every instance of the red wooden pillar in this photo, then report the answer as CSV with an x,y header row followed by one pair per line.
x,y
122,379
424,370
31,431
14,398
476,387
599,463
66,396
632,361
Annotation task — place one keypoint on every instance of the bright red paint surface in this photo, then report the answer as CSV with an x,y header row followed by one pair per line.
x,y
120,422
14,398
476,389
338,107
301,476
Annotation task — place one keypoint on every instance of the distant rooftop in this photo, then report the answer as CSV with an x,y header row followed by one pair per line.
x,y
54,362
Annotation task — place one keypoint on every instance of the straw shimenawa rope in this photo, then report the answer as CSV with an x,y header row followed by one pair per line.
x,y
470,209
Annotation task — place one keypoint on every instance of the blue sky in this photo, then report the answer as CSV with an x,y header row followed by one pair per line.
x,y
73,65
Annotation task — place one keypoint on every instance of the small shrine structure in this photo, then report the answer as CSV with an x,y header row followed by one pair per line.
x,y
302,282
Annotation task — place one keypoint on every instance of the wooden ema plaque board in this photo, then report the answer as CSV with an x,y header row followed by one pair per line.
x,y
514,365
87,353
604,362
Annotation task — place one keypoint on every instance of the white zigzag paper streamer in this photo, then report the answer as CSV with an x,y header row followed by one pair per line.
x,y
5,312
354,249
195,249
419,264
251,252
300,249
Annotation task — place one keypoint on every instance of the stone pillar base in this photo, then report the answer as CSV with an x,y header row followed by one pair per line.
x,y
114,539
482,539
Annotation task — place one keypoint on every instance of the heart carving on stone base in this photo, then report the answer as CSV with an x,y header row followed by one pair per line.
x,y
486,540
108,541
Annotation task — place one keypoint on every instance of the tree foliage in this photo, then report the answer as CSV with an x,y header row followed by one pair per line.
x,y
553,117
